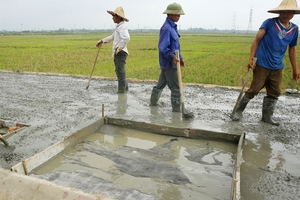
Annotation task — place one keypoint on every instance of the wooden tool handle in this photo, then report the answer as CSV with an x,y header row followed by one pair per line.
x,y
179,75
249,72
95,61
242,90
3,140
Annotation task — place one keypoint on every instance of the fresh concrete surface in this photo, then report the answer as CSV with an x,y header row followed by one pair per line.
x,y
54,105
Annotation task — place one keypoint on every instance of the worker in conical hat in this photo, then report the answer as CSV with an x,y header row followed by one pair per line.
x,y
120,38
286,5
273,38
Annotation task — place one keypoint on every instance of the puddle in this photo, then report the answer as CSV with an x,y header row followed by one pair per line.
x,y
121,163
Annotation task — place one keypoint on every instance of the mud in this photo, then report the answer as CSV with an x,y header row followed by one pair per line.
x,y
53,105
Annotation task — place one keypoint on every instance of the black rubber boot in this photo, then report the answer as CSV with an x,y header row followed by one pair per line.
x,y
268,110
175,101
122,86
239,111
155,95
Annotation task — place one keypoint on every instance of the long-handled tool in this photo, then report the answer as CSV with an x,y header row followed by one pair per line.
x,y
242,90
87,87
6,149
186,115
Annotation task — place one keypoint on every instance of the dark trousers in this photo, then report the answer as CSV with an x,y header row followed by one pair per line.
x,y
170,78
120,65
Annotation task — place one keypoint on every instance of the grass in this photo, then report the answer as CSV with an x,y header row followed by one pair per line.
x,y
210,59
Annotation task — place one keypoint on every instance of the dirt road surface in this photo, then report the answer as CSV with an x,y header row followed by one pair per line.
x,y
55,104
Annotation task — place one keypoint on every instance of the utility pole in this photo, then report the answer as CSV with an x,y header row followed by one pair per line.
x,y
233,28
250,22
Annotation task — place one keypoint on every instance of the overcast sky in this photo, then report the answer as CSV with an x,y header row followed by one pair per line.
x,y
20,15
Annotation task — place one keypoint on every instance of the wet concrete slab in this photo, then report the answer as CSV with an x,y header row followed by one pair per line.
x,y
121,163
53,105
26,187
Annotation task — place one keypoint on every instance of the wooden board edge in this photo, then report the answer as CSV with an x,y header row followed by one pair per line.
x,y
18,186
174,131
29,164
236,177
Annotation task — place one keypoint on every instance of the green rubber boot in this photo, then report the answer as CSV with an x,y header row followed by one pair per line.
x,y
239,111
155,95
175,101
122,86
268,110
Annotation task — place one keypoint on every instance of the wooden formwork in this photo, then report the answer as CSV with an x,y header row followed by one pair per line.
x,y
28,165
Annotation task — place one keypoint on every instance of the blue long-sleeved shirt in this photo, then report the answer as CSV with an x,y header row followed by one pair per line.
x,y
168,43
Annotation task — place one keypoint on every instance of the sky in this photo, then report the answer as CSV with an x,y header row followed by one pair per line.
x,y
21,15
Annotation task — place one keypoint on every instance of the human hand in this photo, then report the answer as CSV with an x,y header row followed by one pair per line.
x,y
296,76
182,63
117,50
251,65
175,61
99,43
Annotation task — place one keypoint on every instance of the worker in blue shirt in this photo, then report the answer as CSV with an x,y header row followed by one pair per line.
x,y
168,43
274,37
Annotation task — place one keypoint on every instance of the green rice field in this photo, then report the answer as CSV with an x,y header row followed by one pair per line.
x,y
210,59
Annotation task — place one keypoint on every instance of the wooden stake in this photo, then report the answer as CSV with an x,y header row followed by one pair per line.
x,y
102,110
24,167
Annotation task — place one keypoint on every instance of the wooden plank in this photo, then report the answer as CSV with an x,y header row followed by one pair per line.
x,y
174,131
18,186
26,166
236,178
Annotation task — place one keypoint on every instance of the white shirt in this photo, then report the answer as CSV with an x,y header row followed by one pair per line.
x,y
120,37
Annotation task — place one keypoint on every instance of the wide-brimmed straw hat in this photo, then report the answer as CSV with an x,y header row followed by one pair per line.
x,y
120,12
286,5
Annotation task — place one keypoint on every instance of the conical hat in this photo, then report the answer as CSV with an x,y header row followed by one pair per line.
x,y
120,12
286,5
